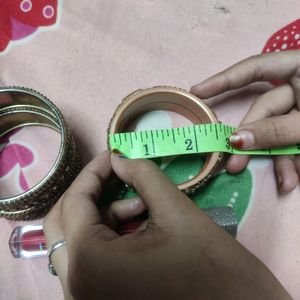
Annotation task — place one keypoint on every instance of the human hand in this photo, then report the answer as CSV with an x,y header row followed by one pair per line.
x,y
179,254
274,118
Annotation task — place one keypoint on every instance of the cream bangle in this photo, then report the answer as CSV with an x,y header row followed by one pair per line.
x,y
171,99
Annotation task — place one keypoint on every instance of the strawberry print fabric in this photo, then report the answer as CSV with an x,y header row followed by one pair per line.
x,y
287,38
104,50
13,154
19,19
24,160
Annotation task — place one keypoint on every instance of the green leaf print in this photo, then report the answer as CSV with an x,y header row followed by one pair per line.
x,y
226,190
222,190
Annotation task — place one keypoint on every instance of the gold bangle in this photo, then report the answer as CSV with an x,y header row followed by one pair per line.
x,y
21,107
172,99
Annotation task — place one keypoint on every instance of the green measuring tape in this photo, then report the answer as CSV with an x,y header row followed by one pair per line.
x,y
203,138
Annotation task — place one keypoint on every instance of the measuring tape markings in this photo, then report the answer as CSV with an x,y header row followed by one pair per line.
x,y
202,138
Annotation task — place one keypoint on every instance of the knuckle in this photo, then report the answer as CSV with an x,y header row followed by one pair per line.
x,y
142,169
295,80
262,106
257,73
252,59
226,81
278,133
98,174
253,62
143,166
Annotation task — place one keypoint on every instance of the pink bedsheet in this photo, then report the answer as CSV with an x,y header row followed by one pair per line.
x,y
96,52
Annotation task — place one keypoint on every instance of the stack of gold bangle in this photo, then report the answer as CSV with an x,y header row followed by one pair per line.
x,y
21,107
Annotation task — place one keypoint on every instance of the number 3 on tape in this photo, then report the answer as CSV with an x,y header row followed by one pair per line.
x,y
203,138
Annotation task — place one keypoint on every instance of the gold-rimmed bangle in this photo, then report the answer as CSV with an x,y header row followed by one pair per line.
x,y
175,100
21,107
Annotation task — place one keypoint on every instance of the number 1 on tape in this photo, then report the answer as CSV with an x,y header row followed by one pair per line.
x,y
203,138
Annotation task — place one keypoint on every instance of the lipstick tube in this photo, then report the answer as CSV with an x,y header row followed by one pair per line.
x,y
29,241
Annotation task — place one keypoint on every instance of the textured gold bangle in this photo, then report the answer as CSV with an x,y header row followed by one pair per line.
x,y
21,107
172,99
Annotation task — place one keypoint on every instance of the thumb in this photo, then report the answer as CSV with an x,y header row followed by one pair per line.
x,y
268,133
160,195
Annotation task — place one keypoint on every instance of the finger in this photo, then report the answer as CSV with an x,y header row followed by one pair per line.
x,y
79,211
286,170
295,83
52,228
277,101
287,178
297,164
274,102
237,163
272,132
296,157
122,211
159,194
280,65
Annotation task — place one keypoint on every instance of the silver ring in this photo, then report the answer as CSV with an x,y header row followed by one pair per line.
x,y
54,247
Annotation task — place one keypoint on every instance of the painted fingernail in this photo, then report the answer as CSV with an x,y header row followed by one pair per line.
x,y
118,153
242,139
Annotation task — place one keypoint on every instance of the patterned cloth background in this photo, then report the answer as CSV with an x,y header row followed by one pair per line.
x,y
86,56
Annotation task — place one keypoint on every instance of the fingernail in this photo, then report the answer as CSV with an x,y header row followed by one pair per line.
x,y
118,153
133,204
129,205
143,226
242,139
